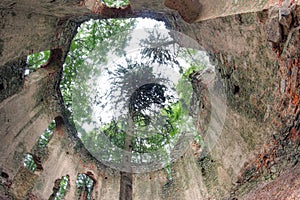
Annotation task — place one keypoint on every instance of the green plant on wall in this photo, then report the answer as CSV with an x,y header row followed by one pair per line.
x,y
85,186
63,186
46,135
35,60
115,3
29,163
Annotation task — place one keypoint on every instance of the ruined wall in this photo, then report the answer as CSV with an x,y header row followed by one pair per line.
x,y
12,78
68,157
39,23
64,155
20,130
40,30
257,59
200,10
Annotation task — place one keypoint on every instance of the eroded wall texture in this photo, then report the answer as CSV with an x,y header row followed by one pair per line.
x,y
255,47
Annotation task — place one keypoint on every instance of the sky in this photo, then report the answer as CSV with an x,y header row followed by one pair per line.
x,y
132,50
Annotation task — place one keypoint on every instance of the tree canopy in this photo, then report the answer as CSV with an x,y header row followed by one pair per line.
x,y
115,3
114,95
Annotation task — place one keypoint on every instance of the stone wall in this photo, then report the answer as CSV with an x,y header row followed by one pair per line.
x,y
260,75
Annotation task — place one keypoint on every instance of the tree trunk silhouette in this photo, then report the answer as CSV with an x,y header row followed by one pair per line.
x,y
126,176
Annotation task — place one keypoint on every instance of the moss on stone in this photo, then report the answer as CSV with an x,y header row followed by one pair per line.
x,y
209,172
23,183
1,46
11,77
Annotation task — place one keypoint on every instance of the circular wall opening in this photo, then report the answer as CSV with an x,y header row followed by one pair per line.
x,y
128,84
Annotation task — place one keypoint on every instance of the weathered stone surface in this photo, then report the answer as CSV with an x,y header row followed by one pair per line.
x,y
200,10
12,78
39,29
23,182
285,17
274,30
287,186
187,181
58,8
261,130
188,9
69,157
20,130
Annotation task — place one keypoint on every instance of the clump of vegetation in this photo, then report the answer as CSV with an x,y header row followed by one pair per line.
x,y
63,186
35,60
85,186
115,3
46,135
29,163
